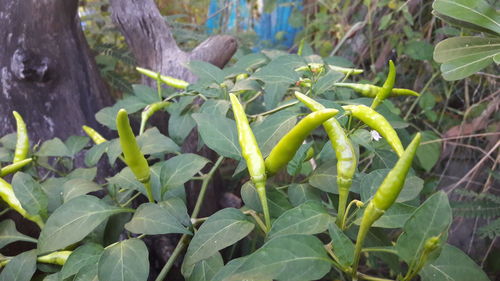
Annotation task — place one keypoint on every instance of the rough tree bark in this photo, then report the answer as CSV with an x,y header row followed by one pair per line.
x,y
46,70
48,75
150,39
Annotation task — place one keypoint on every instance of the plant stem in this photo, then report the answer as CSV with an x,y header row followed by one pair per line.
x,y
343,219
370,216
258,220
182,242
204,186
178,249
281,107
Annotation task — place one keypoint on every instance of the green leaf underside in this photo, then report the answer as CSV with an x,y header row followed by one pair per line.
x,y
20,268
308,218
9,233
153,219
453,265
290,258
72,221
432,218
125,261
221,230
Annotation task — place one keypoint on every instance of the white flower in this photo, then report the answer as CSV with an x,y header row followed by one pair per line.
x,y
375,135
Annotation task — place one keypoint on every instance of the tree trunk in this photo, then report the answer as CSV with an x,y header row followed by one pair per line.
x,y
47,73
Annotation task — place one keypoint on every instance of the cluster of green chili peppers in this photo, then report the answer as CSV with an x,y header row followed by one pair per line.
x,y
260,169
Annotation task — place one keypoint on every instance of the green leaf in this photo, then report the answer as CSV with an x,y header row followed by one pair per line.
x,y
294,167
475,12
76,187
453,265
9,233
76,143
72,221
125,179
325,178
308,218
30,194
219,134
371,182
276,73
277,201
246,85
464,56
85,255
419,50
300,193
179,126
152,141
326,82
343,248
274,93
178,209
145,93
127,260
179,169
215,107
153,219
93,155
251,61
221,229
204,270
20,268
428,153
270,131
432,218
290,258
54,147
206,71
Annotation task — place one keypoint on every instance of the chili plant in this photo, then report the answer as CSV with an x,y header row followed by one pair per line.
x,y
327,179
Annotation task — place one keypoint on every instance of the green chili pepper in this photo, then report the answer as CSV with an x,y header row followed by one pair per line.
x,y
371,91
59,257
8,195
252,155
170,81
387,87
386,195
22,144
149,111
94,135
344,151
241,76
345,70
14,167
134,158
377,122
286,148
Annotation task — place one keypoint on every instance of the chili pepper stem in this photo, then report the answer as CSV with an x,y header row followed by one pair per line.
x,y
261,191
149,192
370,216
341,212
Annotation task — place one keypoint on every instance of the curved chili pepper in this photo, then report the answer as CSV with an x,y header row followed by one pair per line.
x,y
59,257
134,158
94,135
14,167
371,91
170,81
7,194
344,151
387,87
252,155
22,144
286,148
377,122
386,195
149,111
